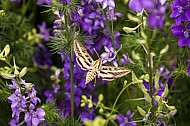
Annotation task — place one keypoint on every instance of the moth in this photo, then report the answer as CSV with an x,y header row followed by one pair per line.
x,y
95,67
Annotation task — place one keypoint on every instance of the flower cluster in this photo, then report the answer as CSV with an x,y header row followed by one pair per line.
x,y
91,20
181,14
42,55
24,100
126,120
156,11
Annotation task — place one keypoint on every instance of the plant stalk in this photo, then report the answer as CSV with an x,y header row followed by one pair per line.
x,y
71,70
112,109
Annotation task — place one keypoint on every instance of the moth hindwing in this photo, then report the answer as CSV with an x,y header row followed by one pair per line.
x,y
94,68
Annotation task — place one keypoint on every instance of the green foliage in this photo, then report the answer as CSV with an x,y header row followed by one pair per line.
x,y
4,94
53,116
15,31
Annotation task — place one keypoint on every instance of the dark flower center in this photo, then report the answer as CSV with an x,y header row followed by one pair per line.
x,y
111,55
181,9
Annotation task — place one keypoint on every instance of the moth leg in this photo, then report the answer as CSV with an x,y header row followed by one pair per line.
x,y
94,82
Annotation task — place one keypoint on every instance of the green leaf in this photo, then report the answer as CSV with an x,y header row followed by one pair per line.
x,y
164,50
156,80
135,79
4,94
100,97
23,72
146,95
165,93
141,111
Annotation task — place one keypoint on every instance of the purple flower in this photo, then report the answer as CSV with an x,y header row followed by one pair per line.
x,y
109,55
87,115
34,117
13,122
33,98
180,11
107,40
66,1
156,16
21,102
124,60
139,5
14,85
18,1
183,33
126,120
48,2
16,99
156,11
43,56
106,3
49,95
111,15
43,31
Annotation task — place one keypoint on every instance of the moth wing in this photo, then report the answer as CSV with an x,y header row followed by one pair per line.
x,y
90,76
83,64
82,55
109,73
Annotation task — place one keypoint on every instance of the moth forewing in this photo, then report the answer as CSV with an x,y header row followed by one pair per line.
x,y
83,65
80,51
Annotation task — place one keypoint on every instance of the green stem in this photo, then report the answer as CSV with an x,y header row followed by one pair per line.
x,y
150,61
24,9
112,109
72,87
71,70
108,25
150,75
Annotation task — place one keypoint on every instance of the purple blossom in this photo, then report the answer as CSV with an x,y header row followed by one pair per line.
x,y
13,122
34,117
160,90
88,115
106,3
126,120
44,31
180,11
48,2
183,33
107,40
109,55
21,102
43,56
16,99
139,5
124,60
66,1
111,15
18,1
156,11
157,15
49,95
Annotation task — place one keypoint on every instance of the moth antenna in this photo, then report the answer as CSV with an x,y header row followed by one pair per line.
x,y
119,48
96,52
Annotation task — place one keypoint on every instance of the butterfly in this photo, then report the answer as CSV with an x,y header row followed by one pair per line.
x,y
95,67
